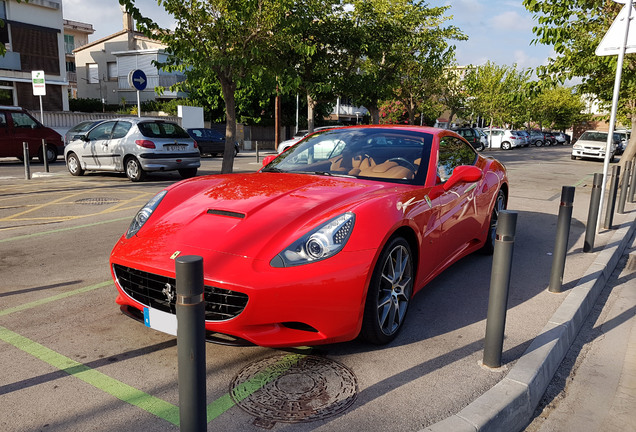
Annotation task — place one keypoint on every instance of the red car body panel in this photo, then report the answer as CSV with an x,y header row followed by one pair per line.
x,y
239,222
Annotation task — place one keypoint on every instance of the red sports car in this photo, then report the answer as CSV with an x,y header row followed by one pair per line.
x,y
328,241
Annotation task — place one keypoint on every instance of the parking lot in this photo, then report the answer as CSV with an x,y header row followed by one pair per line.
x,y
73,362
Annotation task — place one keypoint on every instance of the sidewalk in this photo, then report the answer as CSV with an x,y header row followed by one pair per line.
x,y
510,404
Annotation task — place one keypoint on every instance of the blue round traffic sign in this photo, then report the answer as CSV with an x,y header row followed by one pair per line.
x,y
137,79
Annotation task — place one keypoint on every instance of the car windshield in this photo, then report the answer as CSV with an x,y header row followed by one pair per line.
x,y
594,136
160,129
388,154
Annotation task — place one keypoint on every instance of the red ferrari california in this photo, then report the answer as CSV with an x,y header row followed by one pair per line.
x,y
329,241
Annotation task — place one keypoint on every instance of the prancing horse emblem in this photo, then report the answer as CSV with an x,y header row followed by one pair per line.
x,y
168,291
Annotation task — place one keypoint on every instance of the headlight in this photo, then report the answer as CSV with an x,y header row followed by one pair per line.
x,y
142,215
323,242
577,146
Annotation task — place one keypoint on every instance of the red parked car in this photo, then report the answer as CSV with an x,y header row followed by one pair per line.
x,y
328,241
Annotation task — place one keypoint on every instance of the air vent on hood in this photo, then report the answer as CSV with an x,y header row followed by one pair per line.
x,y
226,213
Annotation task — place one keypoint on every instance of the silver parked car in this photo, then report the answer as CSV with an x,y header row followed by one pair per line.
x,y
134,146
592,144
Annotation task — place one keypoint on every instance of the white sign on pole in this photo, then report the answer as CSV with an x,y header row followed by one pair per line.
x,y
39,83
612,42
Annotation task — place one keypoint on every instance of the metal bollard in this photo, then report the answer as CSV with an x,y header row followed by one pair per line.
x,y
499,284
562,236
45,157
27,160
258,157
191,343
592,216
632,185
624,185
611,198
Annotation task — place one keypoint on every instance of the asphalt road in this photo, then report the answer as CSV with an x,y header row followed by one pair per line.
x,y
73,362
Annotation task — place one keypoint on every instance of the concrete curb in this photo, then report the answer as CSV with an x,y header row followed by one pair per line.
x,y
510,404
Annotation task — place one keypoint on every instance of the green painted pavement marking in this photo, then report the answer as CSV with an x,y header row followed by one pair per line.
x,y
27,236
584,179
121,391
52,298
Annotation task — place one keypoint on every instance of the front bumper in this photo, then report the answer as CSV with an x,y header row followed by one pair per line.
x,y
312,304
589,152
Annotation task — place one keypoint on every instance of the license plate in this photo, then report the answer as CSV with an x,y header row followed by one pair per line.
x,y
159,320
176,147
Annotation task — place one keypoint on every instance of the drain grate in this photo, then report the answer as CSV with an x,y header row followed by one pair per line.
x,y
294,389
97,201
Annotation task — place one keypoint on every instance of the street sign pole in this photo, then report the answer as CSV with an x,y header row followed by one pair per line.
x,y
138,105
617,86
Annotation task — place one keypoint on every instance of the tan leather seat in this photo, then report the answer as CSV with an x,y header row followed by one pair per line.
x,y
351,165
388,169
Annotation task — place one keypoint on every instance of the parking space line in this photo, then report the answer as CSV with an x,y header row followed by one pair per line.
x,y
26,236
46,300
118,389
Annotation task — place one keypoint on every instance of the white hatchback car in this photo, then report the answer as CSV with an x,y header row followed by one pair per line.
x,y
506,139
592,144
134,146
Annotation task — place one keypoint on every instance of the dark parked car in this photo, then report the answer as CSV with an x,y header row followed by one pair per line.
x,y
473,137
210,141
17,126
550,139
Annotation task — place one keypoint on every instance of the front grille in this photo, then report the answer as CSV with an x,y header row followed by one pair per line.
x,y
159,292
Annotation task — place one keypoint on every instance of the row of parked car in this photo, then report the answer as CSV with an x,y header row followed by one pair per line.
x,y
507,139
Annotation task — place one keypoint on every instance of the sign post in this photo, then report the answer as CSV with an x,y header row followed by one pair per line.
x,y
617,40
137,79
39,88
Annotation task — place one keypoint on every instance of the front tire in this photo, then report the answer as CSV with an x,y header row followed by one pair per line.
x,y
73,165
389,293
134,171
500,204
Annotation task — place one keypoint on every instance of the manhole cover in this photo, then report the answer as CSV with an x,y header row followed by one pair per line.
x,y
294,388
97,201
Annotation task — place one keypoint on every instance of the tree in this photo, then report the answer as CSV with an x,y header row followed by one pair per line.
x,y
575,28
232,39
496,92
559,108
394,40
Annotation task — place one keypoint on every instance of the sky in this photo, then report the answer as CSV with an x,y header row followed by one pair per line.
x,y
499,31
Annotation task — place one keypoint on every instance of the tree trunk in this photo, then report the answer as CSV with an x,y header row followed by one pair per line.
x,y
228,87
375,114
630,150
311,105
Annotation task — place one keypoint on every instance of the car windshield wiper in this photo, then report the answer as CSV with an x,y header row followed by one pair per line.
x,y
274,170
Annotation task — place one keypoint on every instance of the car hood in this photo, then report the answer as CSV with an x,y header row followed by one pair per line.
x,y
247,214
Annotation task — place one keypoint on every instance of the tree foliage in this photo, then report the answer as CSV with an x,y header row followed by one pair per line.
x,y
575,28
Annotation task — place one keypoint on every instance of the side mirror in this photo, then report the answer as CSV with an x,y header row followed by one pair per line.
x,y
268,159
83,137
463,173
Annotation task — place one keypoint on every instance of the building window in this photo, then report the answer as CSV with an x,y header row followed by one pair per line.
x,y
93,73
70,67
112,71
69,44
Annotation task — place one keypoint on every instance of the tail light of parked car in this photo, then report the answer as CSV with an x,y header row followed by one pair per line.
x,y
145,143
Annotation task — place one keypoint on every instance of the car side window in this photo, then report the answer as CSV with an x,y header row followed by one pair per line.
x,y
22,120
121,129
102,131
453,152
3,120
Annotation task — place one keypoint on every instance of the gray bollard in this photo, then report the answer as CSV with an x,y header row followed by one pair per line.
x,y
624,186
27,160
592,216
258,156
45,156
611,198
632,185
499,284
191,344
562,236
